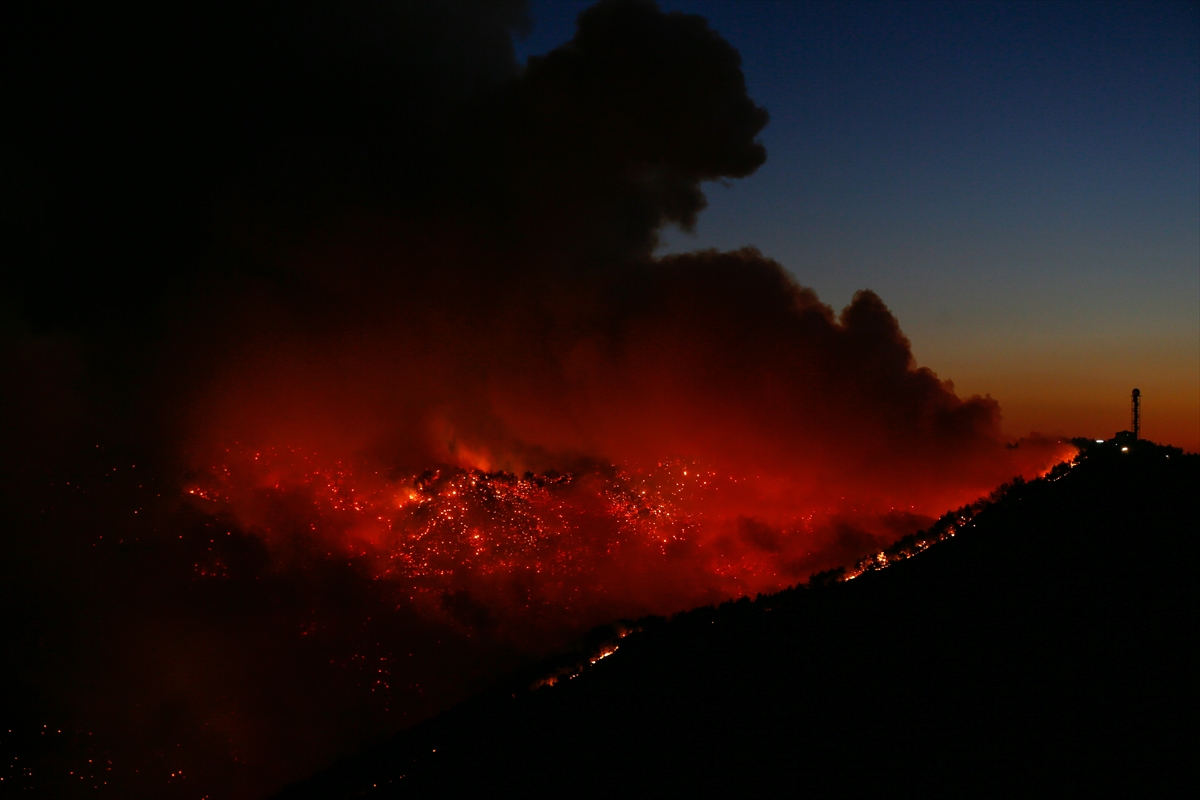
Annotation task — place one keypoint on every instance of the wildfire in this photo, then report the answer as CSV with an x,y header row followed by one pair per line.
x,y
501,553
485,546
452,520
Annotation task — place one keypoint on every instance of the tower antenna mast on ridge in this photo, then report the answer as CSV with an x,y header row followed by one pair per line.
x,y
1137,414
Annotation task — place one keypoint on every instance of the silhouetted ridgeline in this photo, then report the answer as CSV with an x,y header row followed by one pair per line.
x,y
1047,647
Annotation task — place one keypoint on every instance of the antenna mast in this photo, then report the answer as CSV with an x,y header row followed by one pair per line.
x,y
1137,414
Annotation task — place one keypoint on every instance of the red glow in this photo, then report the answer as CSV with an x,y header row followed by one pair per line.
x,y
448,485
520,554
726,434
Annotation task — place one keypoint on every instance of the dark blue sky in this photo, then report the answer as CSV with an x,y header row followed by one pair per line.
x,y
1019,181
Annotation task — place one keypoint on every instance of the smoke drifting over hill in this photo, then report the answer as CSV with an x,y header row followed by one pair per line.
x,y
378,309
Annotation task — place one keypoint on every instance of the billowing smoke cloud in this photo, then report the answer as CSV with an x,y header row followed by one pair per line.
x,y
375,313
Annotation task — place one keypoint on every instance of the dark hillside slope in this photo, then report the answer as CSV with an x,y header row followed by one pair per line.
x,y
1047,647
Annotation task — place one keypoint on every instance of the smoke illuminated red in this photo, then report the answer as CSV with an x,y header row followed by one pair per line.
x,y
520,556
540,466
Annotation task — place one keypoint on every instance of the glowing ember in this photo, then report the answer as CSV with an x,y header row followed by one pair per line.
x,y
563,535
500,552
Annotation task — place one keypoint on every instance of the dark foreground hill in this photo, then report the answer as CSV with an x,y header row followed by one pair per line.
x,y
1048,647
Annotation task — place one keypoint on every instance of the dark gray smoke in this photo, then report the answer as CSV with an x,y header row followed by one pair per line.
x,y
359,235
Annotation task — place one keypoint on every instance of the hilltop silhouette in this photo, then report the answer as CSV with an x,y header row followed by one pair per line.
x,y
1046,645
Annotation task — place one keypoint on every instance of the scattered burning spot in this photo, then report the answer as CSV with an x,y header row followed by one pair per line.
x,y
518,556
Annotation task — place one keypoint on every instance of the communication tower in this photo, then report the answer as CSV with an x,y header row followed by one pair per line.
x,y
1137,414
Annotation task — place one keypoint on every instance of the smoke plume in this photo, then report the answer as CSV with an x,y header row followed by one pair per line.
x,y
341,375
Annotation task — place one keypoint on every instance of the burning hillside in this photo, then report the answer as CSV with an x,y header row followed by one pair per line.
x,y
521,556
1033,642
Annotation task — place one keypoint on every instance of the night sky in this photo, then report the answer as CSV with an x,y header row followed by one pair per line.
x,y
1020,182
